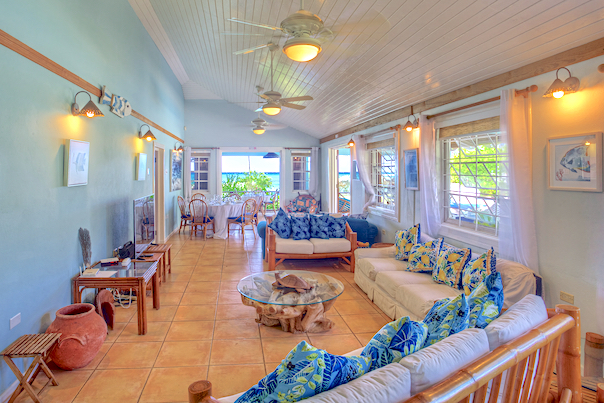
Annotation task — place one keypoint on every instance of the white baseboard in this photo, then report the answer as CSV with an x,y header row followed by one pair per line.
x,y
8,392
172,233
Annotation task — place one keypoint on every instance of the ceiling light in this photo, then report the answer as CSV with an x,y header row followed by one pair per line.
x,y
271,155
559,88
271,109
90,109
302,49
258,130
147,136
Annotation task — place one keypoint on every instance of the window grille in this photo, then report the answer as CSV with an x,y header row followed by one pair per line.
x,y
301,170
384,171
200,166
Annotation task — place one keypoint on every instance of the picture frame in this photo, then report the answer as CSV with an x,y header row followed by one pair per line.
x,y
176,170
411,163
575,162
141,166
76,163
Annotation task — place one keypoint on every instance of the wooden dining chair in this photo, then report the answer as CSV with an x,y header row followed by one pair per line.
x,y
272,204
198,196
185,216
246,218
200,217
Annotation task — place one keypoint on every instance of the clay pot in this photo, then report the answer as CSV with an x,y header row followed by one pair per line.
x,y
83,332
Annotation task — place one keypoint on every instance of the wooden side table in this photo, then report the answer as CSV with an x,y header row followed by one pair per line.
x,y
164,248
31,345
155,257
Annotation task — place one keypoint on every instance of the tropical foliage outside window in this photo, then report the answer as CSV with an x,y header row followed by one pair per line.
x,y
248,181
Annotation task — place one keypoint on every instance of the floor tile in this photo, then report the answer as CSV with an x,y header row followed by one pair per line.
x,y
202,286
236,329
276,332
353,307
234,311
70,383
276,349
193,330
114,333
130,355
163,314
97,358
184,353
228,380
202,298
209,262
195,312
238,351
364,337
178,276
338,345
171,384
235,275
205,276
228,285
115,385
339,327
156,331
229,297
166,299
235,268
208,269
183,269
123,315
364,323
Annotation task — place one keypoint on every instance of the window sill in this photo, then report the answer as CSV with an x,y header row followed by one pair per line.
x,y
469,237
383,213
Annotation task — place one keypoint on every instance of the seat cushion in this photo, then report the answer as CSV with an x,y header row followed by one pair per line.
x,y
288,245
419,298
331,245
390,281
371,266
432,364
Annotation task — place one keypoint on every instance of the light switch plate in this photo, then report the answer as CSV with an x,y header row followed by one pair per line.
x,y
566,297
15,320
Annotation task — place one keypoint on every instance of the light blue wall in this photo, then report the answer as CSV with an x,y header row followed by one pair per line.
x,y
104,43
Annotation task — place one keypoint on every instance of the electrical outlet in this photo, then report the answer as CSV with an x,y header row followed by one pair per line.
x,y
15,320
566,297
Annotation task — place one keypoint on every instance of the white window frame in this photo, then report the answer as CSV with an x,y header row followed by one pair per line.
x,y
390,213
200,155
305,171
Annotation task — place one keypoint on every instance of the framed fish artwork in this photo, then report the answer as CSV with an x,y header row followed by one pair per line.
x,y
77,155
575,162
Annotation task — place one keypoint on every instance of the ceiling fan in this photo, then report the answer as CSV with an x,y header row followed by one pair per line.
x,y
306,31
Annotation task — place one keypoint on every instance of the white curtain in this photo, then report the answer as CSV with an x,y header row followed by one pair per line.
x,y
313,186
359,154
430,205
187,173
517,234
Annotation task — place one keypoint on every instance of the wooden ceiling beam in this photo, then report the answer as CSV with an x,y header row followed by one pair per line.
x,y
566,58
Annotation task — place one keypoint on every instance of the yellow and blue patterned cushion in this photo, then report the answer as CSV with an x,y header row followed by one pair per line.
x,y
305,372
394,341
404,241
282,224
451,262
477,270
300,227
486,301
422,257
448,316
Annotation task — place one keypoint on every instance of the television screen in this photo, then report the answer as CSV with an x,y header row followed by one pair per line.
x,y
144,223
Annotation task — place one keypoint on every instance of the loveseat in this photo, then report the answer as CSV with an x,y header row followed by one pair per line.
x,y
399,293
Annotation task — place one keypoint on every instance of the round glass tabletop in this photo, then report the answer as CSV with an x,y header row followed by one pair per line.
x,y
259,287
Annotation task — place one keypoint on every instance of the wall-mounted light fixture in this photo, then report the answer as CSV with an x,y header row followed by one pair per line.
x,y
559,88
90,109
147,136
178,147
351,142
409,126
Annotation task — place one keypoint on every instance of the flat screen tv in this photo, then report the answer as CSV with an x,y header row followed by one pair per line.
x,y
144,223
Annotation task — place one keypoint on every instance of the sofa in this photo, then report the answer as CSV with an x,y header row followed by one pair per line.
x,y
399,293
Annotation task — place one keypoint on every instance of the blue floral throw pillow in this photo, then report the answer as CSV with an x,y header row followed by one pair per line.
x,y
448,316
486,301
300,227
394,341
319,227
281,224
305,372
337,227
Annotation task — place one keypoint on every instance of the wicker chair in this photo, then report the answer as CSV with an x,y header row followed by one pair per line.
x,y
198,196
272,204
246,218
200,217
185,216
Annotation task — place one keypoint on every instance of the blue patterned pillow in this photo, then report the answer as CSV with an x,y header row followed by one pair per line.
x,y
486,301
447,317
337,227
423,256
281,224
394,341
477,270
305,372
319,227
300,227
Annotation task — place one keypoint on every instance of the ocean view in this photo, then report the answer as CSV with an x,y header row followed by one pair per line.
x,y
344,176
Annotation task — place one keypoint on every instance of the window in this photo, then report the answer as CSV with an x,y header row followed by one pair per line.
x,y
301,170
384,171
475,180
200,165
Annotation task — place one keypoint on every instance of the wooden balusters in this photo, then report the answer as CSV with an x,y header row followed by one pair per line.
x,y
569,356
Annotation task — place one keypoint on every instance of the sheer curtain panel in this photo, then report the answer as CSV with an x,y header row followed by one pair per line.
x,y
187,173
359,154
430,203
313,186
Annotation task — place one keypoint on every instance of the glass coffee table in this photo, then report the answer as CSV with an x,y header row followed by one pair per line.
x,y
296,310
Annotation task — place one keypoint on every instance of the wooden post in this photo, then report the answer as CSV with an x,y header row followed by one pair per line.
x,y
600,395
271,249
201,391
569,356
594,355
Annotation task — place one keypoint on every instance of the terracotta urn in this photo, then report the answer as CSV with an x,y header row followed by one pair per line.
x,y
83,332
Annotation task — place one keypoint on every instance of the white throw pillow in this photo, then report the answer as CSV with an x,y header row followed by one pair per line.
x,y
519,319
438,361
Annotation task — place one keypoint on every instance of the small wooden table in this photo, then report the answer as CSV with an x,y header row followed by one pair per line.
x,y
165,249
136,276
31,345
155,257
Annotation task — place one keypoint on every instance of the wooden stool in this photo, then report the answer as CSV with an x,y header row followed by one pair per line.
x,y
164,248
31,345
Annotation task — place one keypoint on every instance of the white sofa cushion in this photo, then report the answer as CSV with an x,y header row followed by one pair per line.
x,y
362,253
289,245
371,266
517,279
419,298
331,245
438,361
519,319
391,280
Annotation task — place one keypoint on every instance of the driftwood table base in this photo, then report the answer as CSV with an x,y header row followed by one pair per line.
x,y
293,318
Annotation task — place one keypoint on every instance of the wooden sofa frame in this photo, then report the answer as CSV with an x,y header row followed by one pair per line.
x,y
275,259
529,360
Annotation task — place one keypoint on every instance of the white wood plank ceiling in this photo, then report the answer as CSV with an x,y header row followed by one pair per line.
x,y
386,54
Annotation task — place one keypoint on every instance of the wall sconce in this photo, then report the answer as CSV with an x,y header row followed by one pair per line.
x,y
351,142
409,126
559,87
90,110
178,147
147,136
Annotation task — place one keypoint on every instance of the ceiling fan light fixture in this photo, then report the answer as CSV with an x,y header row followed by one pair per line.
x,y
302,49
258,130
271,109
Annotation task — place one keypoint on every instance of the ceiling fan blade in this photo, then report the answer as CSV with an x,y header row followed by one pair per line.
x,y
250,50
265,97
242,34
258,110
255,102
274,127
254,24
302,98
294,106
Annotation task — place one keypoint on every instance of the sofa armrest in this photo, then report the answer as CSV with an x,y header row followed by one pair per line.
x,y
363,253
352,237
270,239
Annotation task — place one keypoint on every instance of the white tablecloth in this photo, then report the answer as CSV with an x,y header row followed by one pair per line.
x,y
220,214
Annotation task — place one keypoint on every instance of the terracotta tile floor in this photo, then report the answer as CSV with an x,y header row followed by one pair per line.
x,y
203,331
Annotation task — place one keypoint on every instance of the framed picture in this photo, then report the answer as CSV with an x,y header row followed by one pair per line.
x,y
77,154
575,162
411,168
176,170
141,166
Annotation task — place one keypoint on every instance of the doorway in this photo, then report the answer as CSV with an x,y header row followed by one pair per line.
x,y
159,153
339,180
